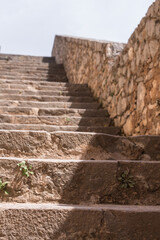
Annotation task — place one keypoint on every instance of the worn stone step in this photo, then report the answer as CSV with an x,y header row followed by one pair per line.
x,y
53,221
54,120
54,78
40,83
34,77
9,70
18,65
52,128
81,181
36,68
34,73
77,145
25,68
45,98
31,77
30,66
26,61
12,103
70,112
33,91
23,58
26,72
46,87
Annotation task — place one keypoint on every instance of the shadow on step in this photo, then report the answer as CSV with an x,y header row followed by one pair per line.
x,y
98,183
56,72
94,118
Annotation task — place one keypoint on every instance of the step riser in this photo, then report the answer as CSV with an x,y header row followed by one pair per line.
x,y
59,121
62,99
82,182
12,74
46,93
43,84
53,128
53,112
59,223
72,145
29,58
35,72
28,67
55,78
34,87
48,104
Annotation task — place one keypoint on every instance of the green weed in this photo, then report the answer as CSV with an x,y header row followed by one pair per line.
x,y
126,180
25,169
3,186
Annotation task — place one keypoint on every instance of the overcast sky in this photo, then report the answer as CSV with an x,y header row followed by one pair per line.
x,y
29,26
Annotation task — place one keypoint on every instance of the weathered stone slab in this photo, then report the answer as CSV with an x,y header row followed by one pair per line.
x,y
82,181
80,145
49,221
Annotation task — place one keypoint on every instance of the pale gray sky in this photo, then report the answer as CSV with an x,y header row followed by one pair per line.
x,y
29,26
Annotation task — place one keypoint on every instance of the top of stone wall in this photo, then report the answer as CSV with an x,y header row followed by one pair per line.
x,y
96,45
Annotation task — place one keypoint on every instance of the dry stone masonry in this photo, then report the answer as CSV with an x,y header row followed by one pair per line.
x,y
66,171
125,78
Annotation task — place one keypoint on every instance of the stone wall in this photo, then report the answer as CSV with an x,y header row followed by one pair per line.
x,y
126,82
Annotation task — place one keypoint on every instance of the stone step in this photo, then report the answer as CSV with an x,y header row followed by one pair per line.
x,y
32,76
22,66
52,72
45,98
52,128
57,77
77,145
54,120
35,68
30,66
28,58
81,181
54,78
16,66
69,112
26,64
49,86
53,221
11,103
33,91
40,83
47,72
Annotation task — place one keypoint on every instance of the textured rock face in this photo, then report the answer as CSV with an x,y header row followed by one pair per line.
x,y
127,85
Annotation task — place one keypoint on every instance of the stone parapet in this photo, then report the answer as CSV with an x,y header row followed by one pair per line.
x,y
125,78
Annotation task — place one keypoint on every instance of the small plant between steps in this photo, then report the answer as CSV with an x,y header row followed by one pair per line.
x,y
25,169
126,180
3,186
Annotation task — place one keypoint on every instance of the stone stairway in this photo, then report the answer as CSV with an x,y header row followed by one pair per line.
x,y
86,181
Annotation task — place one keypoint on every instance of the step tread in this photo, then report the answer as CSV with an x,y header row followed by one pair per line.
x,y
52,128
28,82
84,161
41,104
79,145
46,98
55,221
119,208
37,92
